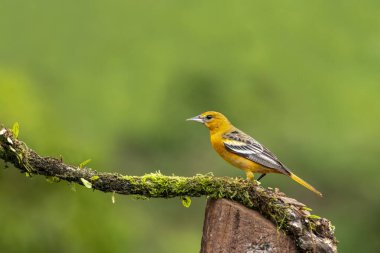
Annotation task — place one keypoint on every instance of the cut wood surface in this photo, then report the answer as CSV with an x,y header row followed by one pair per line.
x,y
230,227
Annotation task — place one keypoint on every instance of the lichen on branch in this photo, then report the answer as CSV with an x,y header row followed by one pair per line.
x,y
311,233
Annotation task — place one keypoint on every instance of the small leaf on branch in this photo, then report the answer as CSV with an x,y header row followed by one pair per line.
x,y
82,164
113,198
186,201
16,129
86,183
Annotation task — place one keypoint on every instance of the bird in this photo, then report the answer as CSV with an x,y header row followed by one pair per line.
x,y
243,151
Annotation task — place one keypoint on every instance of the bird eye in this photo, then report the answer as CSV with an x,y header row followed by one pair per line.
x,y
208,117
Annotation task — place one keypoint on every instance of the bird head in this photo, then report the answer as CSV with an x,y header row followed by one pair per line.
x,y
212,120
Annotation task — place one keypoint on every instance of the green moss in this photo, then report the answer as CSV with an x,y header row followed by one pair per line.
x,y
94,178
158,185
139,197
313,216
307,208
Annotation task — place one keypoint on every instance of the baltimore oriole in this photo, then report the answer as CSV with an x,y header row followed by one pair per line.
x,y
242,151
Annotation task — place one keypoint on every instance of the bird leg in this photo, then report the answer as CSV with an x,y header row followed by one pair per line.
x,y
261,176
250,175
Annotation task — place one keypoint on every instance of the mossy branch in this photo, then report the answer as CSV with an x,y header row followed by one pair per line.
x,y
311,233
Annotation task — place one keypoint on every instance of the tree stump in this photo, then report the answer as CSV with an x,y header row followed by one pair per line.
x,y
231,227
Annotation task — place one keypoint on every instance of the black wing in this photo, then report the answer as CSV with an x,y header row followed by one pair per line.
x,y
242,144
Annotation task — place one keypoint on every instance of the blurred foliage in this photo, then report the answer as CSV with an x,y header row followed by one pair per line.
x,y
114,81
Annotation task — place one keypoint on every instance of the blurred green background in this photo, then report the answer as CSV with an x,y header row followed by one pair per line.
x,y
115,80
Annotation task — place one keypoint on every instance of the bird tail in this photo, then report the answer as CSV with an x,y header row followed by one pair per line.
x,y
303,183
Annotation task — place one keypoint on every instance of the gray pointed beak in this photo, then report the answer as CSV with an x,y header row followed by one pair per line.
x,y
196,118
